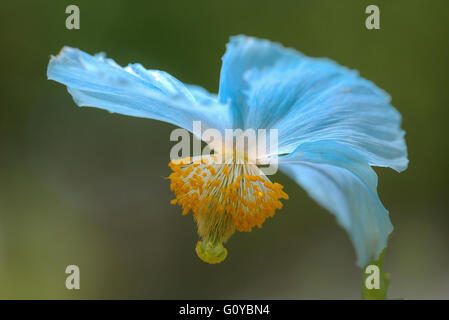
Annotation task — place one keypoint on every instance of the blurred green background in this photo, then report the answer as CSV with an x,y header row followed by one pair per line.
x,y
85,187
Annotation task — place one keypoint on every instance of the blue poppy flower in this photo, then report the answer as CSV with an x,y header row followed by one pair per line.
x,y
333,126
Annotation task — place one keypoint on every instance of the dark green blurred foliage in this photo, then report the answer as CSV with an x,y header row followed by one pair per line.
x,y
85,187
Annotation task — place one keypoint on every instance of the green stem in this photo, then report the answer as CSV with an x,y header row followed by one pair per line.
x,y
384,281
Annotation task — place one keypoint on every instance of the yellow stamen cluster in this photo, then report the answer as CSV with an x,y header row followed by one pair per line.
x,y
224,197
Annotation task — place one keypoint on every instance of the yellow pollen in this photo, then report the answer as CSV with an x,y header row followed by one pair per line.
x,y
224,198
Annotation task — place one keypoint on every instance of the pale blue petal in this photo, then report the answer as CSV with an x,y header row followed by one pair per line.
x,y
242,54
202,96
338,178
96,81
311,99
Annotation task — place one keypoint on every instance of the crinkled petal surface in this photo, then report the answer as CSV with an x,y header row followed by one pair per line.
x,y
310,99
242,55
339,179
97,81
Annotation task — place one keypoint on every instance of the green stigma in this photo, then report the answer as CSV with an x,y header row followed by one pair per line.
x,y
211,252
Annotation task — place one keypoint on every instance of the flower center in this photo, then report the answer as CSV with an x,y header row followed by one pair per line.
x,y
225,195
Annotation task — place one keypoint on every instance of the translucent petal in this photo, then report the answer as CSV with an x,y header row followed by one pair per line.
x,y
96,81
310,99
242,54
340,180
